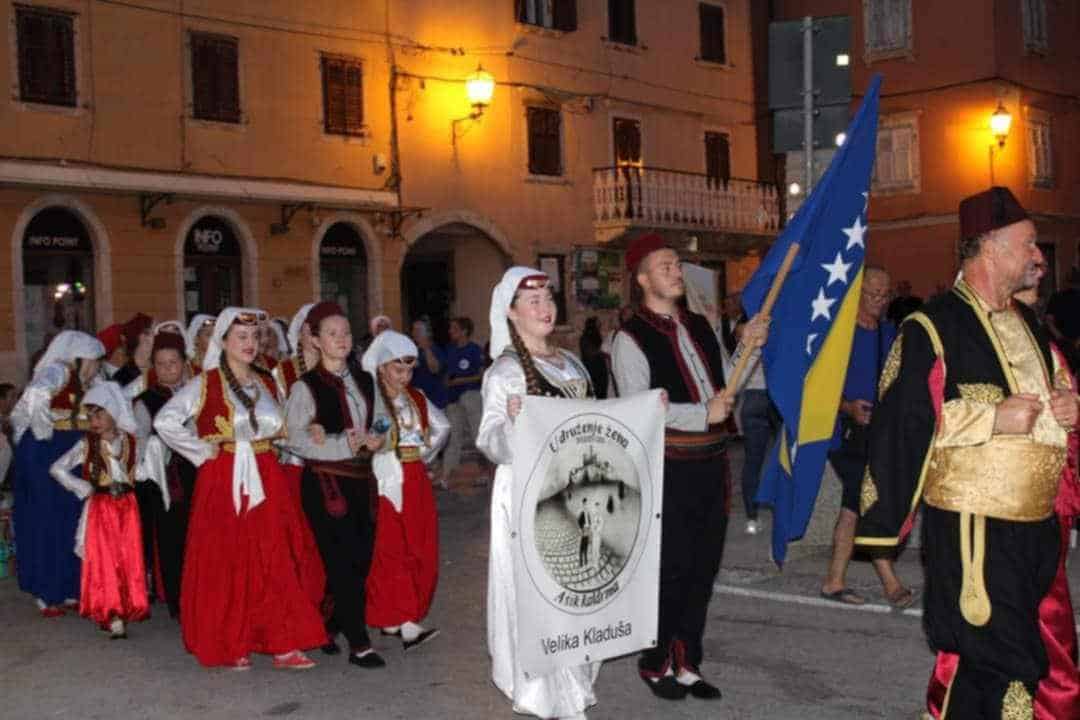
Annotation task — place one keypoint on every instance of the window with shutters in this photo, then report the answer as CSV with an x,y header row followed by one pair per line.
x,y
896,168
551,14
627,138
622,22
545,140
713,48
343,96
46,56
887,29
1033,19
215,78
717,157
1040,149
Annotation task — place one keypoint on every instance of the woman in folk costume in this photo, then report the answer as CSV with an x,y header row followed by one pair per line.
x,y
405,563
45,514
273,347
197,339
109,539
523,315
337,481
147,377
246,584
305,355
171,477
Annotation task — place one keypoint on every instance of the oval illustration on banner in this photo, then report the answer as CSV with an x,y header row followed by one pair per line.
x,y
586,512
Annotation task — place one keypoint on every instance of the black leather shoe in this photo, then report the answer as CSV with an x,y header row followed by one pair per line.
x,y
331,648
422,638
703,690
369,660
666,688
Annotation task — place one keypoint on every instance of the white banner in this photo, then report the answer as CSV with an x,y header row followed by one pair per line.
x,y
588,488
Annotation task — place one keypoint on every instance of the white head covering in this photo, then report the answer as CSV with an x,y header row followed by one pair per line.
x,y
110,396
387,345
282,343
221,326
69,345
173,326
501,297
294,327
193,330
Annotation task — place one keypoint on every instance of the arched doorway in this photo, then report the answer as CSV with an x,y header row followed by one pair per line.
x,y
58,276
213,265
449,271
343,271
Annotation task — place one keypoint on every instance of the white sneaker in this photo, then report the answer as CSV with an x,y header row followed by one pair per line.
x,y
752,527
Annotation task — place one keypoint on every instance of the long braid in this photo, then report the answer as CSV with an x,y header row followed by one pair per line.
x,y
76,403
234,385
301,362
532,375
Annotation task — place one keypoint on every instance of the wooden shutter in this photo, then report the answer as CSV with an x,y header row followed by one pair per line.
x,y
545,156
343,96
712,32
564,14
46,51
627,141
215,78
717,157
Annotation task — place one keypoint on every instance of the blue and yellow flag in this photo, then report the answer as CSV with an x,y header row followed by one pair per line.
x,y
813,323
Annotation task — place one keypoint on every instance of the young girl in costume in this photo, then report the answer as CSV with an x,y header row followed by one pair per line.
x,y
112,592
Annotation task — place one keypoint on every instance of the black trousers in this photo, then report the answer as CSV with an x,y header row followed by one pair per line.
x,y
693,529
1006,653
167,529
345,545
151,506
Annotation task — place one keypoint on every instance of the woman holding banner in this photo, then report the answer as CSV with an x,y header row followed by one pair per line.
x,y
523,316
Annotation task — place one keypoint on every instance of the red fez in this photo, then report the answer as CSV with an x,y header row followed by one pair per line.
x,y
321,311
169,341
989,210
111,337
135,327
641,248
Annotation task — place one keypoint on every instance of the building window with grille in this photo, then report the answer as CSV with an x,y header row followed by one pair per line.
x,y
1040,150
711,18
343,96
1033,19
622,22
887,28
215,78
46,56
896,169
550,14
717,157
545,140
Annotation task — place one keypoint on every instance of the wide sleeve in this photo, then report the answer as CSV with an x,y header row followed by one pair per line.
x,y
144,428
61,470
136,387
299,415
631,369
438,431
902,430
504,379
171,423
32,411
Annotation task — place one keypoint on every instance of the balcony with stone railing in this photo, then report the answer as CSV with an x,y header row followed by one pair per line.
x,y
656,198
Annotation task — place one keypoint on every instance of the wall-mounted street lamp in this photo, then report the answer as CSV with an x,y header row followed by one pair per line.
x,y
1000,122
479,88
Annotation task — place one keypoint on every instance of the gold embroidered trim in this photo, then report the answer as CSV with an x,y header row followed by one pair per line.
x,y
1017,704
869,495
981,393
974,599
891,370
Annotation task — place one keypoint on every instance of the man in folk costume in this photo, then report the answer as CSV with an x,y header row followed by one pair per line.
x,y
138,339
337,487
171,476
973,417
665,346
147,378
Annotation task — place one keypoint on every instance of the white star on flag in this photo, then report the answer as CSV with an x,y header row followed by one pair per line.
x,y
855,234
821,305
837,271
810,343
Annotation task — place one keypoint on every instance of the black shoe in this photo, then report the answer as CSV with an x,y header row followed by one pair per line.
x,y
331,648
118,636
420,639
369,660
703,690
666,688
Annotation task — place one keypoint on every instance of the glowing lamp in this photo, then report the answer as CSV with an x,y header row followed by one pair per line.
x,y
479,88
1000,122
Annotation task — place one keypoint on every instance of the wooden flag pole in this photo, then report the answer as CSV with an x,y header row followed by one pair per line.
x,y
766,310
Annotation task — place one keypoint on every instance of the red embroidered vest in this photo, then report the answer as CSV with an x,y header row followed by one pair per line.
x,y
65,399
214,415
127,459
290,373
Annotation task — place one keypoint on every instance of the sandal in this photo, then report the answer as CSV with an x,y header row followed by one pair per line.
x,y
901,600
845,596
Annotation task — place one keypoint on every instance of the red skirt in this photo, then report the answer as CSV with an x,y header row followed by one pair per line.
x,y
113,572
248,579
405,563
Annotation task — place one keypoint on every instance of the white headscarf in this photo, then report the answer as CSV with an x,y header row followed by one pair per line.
x,y
69,345
387,345
110,396
282,343
221,326
173,326
501,297
296,325
193,330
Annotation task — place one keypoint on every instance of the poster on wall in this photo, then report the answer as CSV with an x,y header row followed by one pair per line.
x,y
587,497
598,278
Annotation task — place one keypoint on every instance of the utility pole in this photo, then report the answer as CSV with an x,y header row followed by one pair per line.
x,y
808,101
